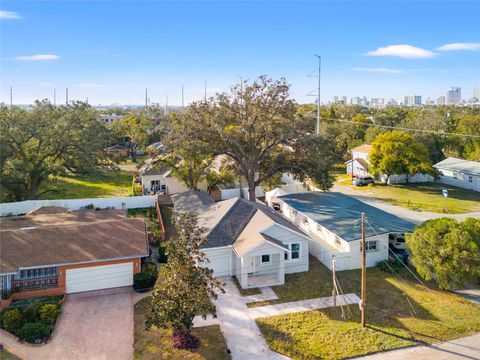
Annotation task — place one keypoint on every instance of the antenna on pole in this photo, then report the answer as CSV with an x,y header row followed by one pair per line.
x,y
54,97
318,94
11,97
182,98
66,96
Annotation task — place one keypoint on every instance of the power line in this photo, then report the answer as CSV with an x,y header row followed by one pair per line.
x,y
437,132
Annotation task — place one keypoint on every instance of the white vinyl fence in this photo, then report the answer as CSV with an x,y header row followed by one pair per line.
x,y
132,202
240,192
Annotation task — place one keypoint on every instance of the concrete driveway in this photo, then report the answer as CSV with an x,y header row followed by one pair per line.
x,y
93,325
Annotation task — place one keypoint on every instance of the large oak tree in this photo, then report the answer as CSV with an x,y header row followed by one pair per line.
x,y
256,126
45,141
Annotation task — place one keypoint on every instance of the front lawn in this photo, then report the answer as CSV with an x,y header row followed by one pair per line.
x,y
107,183
31,320
155,343
422,197
5,355
433,316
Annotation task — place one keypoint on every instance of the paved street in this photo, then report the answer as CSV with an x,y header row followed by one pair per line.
x,y
97,325
416,217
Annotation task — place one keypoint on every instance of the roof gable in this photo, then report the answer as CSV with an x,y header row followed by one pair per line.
x,y
460,165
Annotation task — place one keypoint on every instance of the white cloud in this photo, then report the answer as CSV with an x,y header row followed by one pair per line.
x,y
89,86
403,51
468,46
38,57
381,70
9,15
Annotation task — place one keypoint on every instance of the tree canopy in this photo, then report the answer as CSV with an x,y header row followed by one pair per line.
x,y
397,153
447,251
256,126
47,141
183,288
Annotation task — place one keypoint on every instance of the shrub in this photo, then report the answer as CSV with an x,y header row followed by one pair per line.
x,y
49,313
142,280
5,294
89,207
389,266
33,331
13,320
31,312
150,268
162,257
184,340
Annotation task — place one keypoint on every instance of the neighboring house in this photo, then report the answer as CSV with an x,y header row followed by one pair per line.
x,y
360,163
157,179
53,251
333,222
247,239
117,151
110,118
459,172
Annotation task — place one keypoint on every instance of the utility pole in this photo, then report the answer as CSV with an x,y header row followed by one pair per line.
x,y
66,96
364,273
334,282
11,97
54,97
146,98
182,98
166,106
318,95
205,96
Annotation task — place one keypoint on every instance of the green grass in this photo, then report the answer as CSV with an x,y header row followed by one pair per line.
x,y
422,197
155,343
391,322
107,183
5,355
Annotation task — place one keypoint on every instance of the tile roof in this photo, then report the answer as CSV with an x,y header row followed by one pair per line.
x,y
460,165
71,237
340,214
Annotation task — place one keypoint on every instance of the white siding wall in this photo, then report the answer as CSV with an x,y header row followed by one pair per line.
x,y
402,179
462,179
360,155
146,181
131,202
220,261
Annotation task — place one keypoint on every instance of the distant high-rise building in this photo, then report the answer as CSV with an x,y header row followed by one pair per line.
x,y
417,100
454,95
441,100
476,92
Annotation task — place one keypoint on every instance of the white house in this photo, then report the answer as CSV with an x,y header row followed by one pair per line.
x,y
459,172
331,219
361,160
247,239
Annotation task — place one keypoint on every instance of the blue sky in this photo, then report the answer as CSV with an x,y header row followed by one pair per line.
x,y
110,51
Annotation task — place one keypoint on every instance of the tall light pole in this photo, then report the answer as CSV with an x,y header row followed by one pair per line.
x,y
182,98
54,97
11,97
318,94
205,97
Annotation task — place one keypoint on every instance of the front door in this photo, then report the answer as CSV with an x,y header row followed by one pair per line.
x,y
251,265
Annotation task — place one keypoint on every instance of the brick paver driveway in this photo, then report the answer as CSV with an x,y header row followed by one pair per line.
x,y
93,325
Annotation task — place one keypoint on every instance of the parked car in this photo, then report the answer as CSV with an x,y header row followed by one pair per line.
x,y
363,181
397,241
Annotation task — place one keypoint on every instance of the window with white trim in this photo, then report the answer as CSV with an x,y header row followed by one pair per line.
x,y
294,251
266,259
470,179
36,273
371,246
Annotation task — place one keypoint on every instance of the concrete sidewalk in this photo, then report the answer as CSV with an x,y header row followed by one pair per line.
x,y
464,348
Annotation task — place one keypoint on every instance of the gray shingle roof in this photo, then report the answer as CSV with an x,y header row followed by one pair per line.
x,y
460,165
191,200
340,214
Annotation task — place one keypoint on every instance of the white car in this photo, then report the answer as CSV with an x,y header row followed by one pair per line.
x,y
397,241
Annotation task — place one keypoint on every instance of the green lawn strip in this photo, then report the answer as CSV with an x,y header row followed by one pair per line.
x,y
436,316
155,343
422,197
246,292
107,183
5,355
314,283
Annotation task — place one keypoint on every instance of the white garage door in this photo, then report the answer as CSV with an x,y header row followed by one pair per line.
x,y
99,277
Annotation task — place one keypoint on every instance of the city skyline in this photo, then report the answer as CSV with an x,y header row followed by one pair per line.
x,y
370,50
